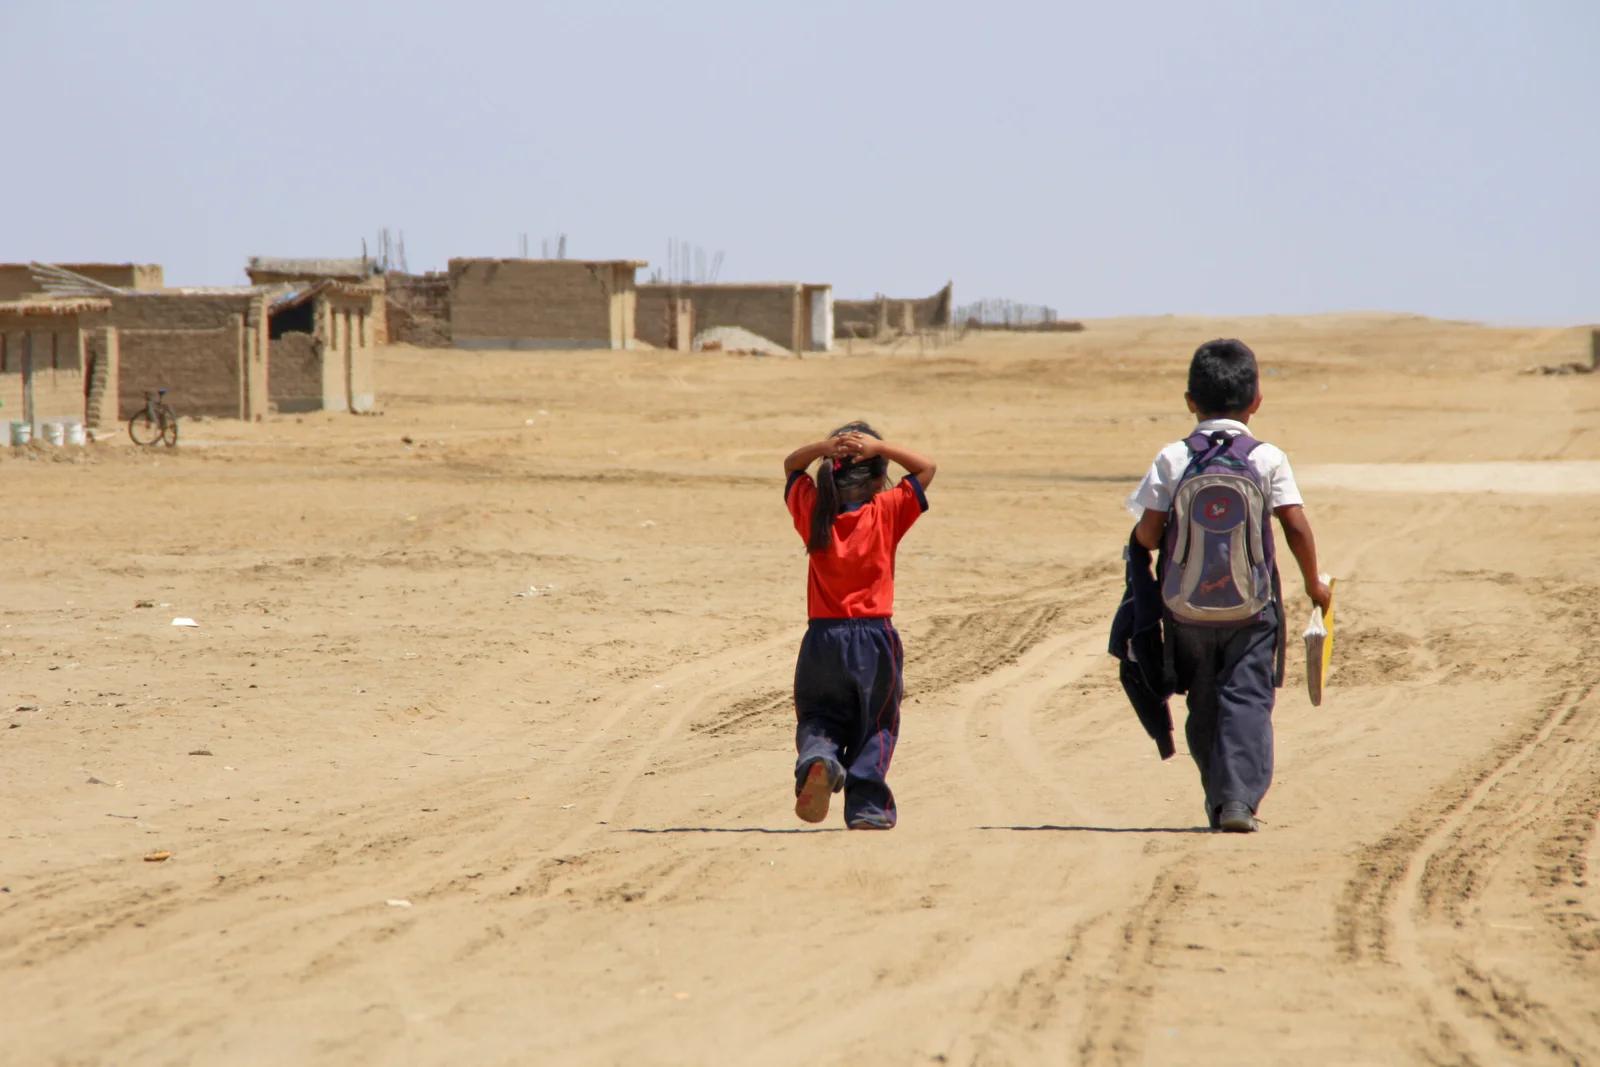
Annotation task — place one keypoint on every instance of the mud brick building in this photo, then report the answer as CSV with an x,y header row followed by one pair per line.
x,y
322,339
542,303
417,309
70,355
17,280
208,347
885,316
795,315
277,272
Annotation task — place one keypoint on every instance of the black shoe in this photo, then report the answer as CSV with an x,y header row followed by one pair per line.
x,y
1235,817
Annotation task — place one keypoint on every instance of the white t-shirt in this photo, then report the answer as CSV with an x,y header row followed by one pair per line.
x,y
1269,461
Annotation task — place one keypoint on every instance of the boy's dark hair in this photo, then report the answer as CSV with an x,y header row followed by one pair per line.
x,y
836,474
1222,377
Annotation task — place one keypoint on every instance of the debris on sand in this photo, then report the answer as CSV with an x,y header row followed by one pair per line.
x,y
1561,368
158,857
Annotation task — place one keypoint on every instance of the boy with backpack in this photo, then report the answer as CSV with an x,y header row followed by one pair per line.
x,y
1207,503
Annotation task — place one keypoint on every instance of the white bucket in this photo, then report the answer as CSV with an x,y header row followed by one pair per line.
x,y
55,434
21,431
76,434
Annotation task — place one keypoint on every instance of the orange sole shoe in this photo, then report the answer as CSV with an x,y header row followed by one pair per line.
x,y
812,803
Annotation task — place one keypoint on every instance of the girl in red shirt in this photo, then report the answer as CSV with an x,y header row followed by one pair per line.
x,y
848,682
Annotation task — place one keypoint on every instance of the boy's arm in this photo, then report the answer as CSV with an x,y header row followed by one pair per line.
x,y
916,464
1297,531
1152,524
805,455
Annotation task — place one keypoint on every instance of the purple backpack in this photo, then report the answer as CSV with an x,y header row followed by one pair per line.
x,y
1218,566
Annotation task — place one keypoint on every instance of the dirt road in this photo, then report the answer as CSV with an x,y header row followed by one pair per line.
x,y
481,751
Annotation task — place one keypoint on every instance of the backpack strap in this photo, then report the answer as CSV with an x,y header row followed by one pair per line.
x,y
1243,444
1203,448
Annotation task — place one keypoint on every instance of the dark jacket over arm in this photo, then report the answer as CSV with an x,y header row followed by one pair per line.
x,y
1136,642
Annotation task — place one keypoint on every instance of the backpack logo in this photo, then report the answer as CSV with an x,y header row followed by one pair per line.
x,y
1217,561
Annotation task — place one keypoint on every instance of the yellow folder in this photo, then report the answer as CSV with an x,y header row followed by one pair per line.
x,y
1319,647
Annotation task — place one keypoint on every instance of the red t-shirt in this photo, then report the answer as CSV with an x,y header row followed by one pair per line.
x,y
854,577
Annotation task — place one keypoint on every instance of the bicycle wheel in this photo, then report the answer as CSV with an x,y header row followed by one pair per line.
x,y
169,427
143,429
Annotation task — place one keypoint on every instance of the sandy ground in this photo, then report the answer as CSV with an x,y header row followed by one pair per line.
x,y
581,798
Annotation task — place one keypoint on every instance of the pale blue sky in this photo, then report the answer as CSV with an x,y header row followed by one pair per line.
x,y
1436,157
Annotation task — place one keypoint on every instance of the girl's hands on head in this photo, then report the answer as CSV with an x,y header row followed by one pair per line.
x,y
859,444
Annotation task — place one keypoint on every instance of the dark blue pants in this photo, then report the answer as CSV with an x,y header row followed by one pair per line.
x,y
1227,673
847,687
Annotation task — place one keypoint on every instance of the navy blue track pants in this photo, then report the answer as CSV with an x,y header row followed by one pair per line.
x,y
1227,673
847,688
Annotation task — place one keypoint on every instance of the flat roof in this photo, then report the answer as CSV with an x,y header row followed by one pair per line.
x,y
348,267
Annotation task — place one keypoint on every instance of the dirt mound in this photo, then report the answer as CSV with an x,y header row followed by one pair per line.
x,y
738,340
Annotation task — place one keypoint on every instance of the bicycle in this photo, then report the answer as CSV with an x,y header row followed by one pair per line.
x,y
156,422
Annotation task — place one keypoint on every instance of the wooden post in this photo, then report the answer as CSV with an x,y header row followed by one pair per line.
x,y
349,362
27,382
241,340
1594,349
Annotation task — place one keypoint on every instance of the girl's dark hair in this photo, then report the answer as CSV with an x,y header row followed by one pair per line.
x,y
836,475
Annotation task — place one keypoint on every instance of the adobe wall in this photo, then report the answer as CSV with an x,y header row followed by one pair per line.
x,y
58,384
417,310
776,312
881,314
653,317
180,310
296,382
664,319
198,368
57,396
525,303
16,282
209,350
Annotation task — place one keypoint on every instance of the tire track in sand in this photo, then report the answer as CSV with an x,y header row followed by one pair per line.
x,y
1080,976
1418,902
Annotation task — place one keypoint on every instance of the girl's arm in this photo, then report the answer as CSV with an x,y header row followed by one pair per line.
x,y
916,464
805,455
